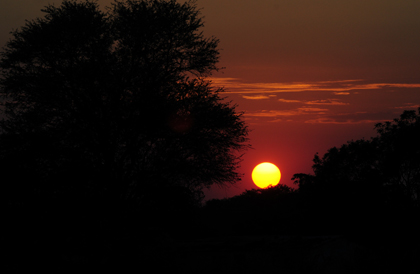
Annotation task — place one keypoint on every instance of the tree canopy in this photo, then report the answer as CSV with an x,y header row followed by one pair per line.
x,y
117,102
371,182
388,163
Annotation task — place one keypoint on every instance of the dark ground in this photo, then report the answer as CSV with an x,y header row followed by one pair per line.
x,y
230,254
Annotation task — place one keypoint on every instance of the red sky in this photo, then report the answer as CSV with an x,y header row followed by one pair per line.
x,y
309,75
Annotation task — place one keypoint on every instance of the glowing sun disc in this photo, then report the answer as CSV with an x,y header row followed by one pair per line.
x,y
266,174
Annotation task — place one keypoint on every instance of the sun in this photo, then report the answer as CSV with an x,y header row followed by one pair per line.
x,y
266,174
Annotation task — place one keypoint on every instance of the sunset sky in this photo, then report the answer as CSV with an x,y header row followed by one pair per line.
x,y
308,74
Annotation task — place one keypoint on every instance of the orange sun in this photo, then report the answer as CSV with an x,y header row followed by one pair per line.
x,y
266,174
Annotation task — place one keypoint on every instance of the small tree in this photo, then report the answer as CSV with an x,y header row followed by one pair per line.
x,y
117,102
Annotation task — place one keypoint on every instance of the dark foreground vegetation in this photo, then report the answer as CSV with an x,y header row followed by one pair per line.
x,y
359,210
110,132
352,215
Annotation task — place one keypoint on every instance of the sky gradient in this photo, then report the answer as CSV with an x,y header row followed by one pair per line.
x,y
308,75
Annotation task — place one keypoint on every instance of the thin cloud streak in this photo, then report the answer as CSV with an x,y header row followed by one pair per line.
x,y
235,85
318,105
324,120
290,112
289,101
257,97
330,102
309,116
408,106
342,93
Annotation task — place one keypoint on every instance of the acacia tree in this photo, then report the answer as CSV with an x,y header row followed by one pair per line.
x,y
117,101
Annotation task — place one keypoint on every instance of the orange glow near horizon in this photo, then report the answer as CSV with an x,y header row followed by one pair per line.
x,y
265,175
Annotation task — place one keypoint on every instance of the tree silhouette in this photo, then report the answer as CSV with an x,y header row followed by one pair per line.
x,y
254,212
115,104
369,182
389,161
400,148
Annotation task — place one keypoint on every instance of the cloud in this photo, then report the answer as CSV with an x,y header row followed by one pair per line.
x,y
289,101
270,113
236,85
317,115
331,102
358,117
311,109
341,93
326,120
313,116
342,87
408,106
316,102
290,112
256,97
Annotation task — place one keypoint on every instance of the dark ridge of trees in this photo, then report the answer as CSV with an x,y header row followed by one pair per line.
x,y
370,185
255,212
387,165
359,209
365,188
